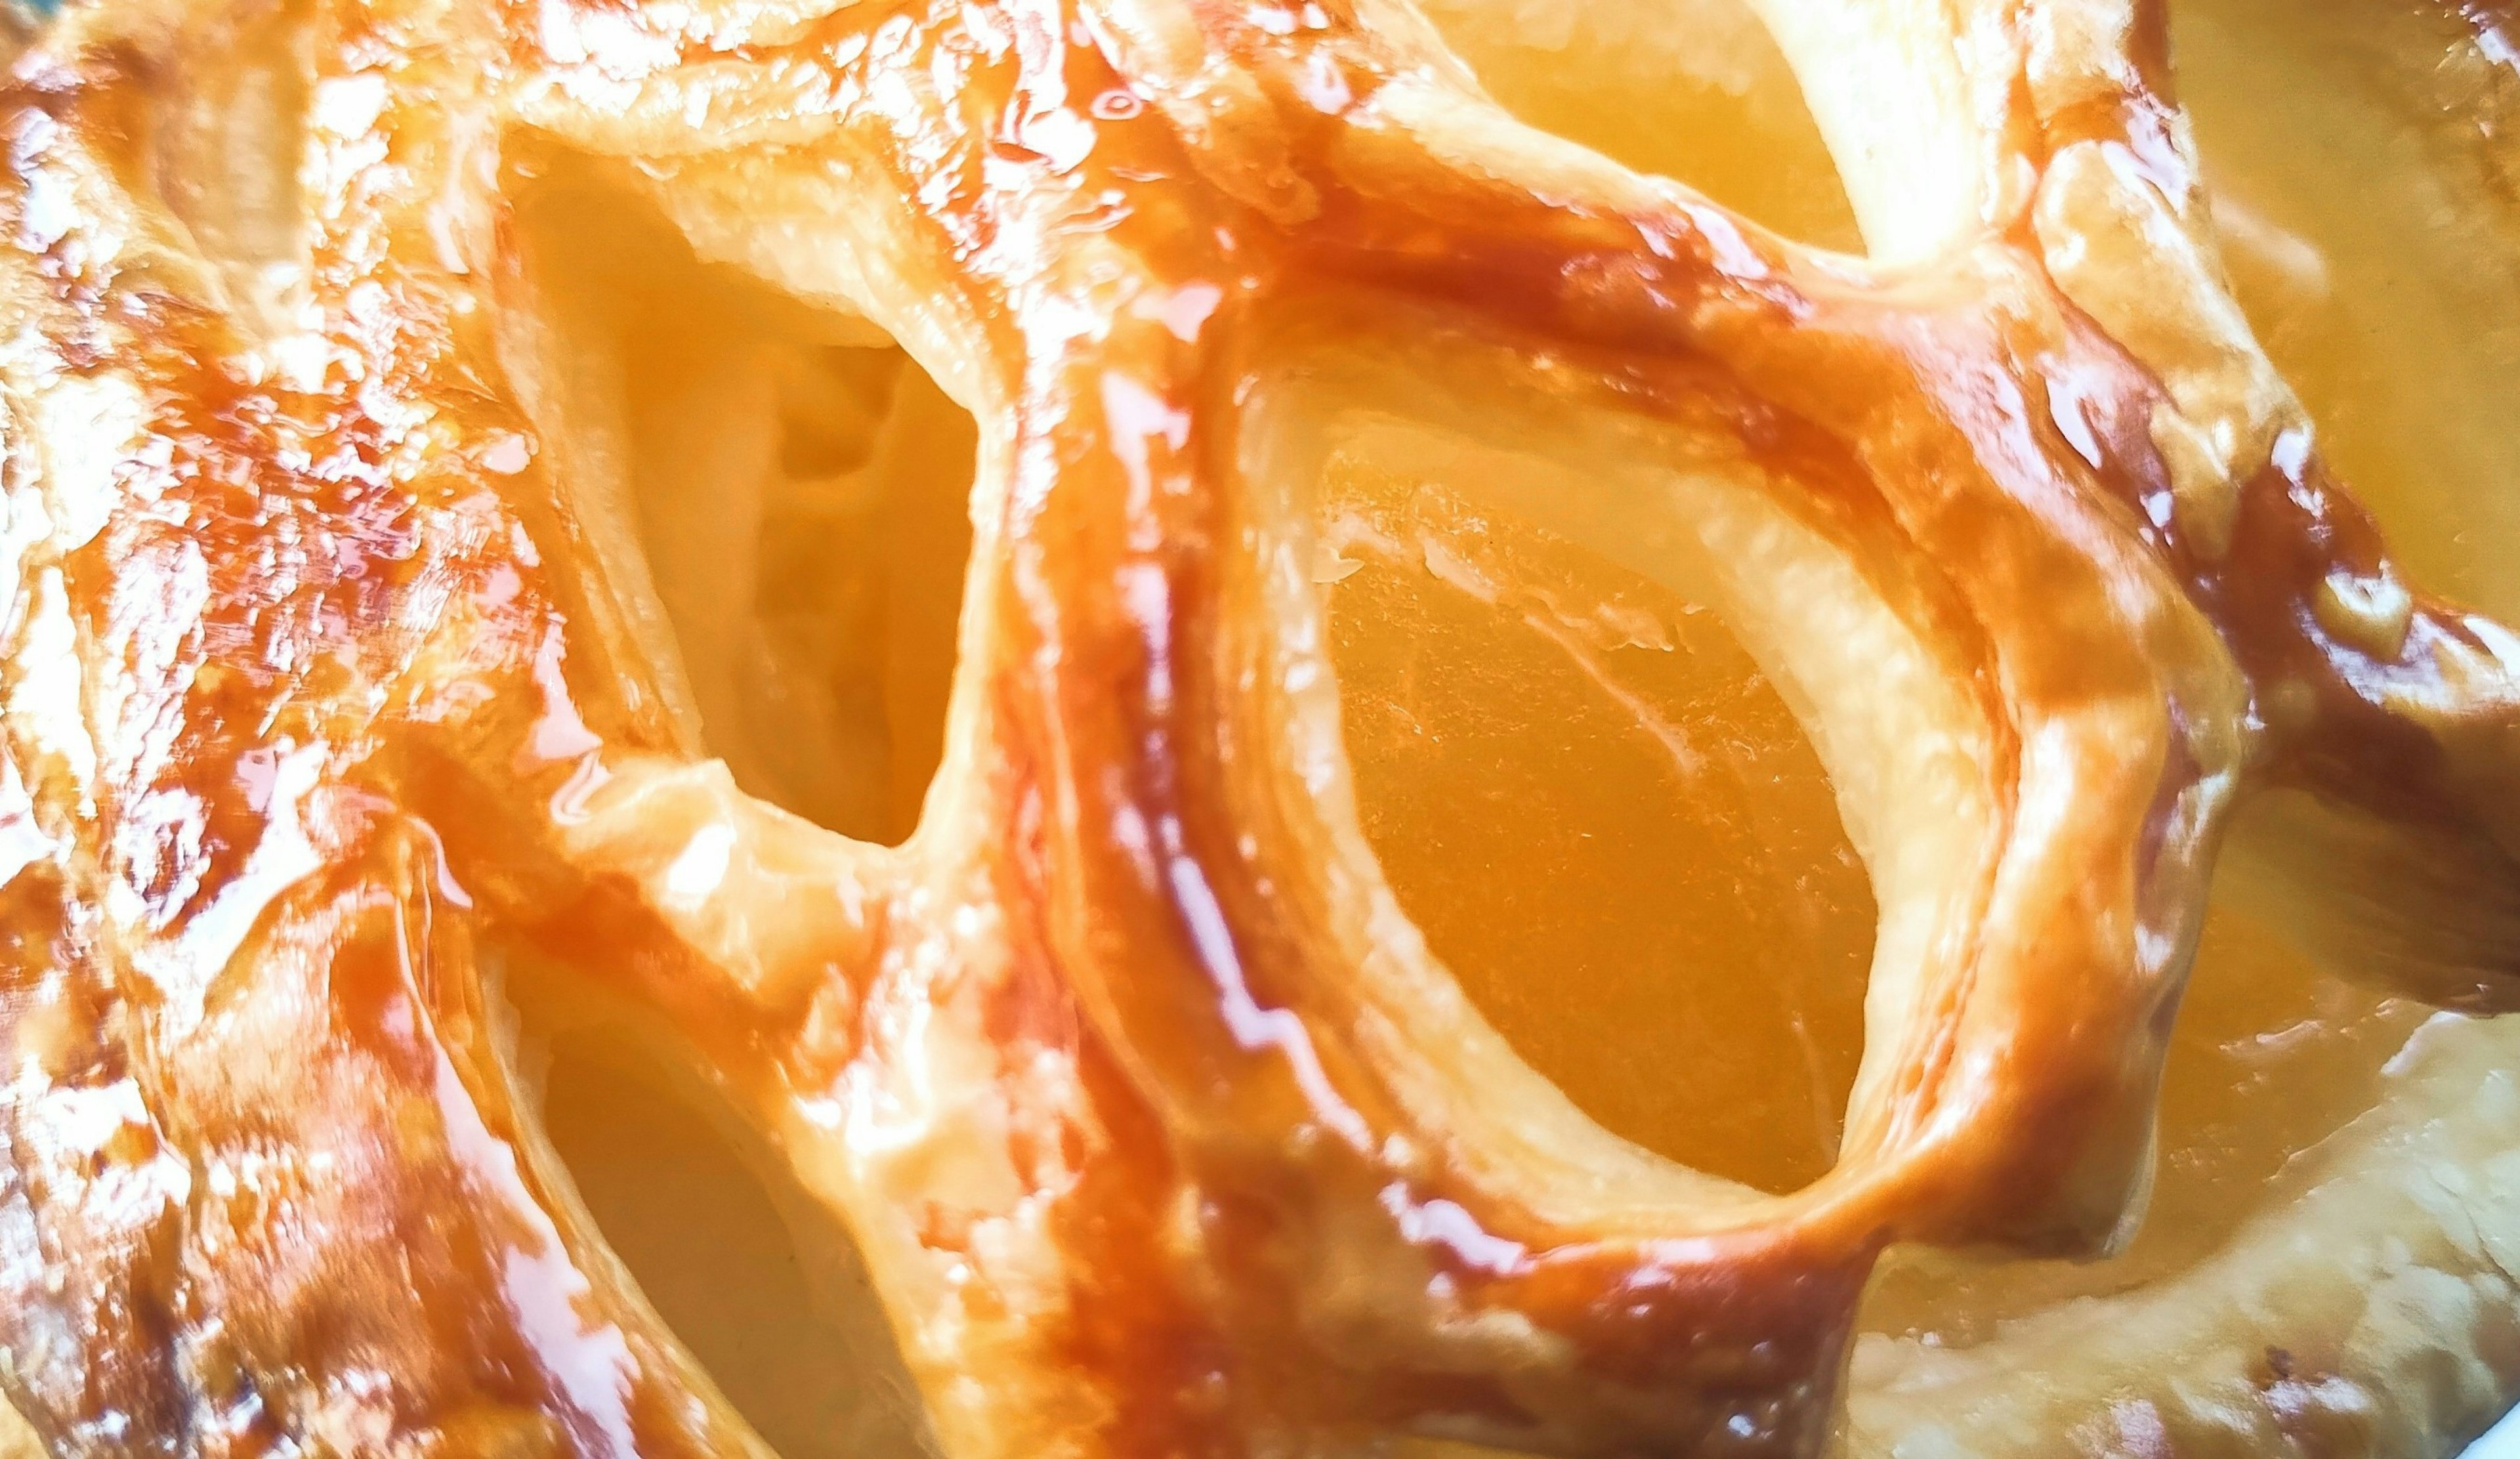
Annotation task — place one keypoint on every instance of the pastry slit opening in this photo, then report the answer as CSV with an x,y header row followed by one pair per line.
x,y
1608,824
776,495
759,1281
1698,91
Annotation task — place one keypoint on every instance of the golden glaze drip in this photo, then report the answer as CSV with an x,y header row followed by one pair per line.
x,y
1159,1131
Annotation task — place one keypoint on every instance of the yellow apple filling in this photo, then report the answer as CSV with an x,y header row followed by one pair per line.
x,y
1605,822
761,1282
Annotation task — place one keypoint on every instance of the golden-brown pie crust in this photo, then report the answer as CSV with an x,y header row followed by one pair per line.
x,y
1160,1131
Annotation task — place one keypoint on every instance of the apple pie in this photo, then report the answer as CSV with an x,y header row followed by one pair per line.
x,y
1009,728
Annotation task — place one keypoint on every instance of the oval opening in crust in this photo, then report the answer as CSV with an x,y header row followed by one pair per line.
x,y
778,495
1605,821
1696,90
755,1277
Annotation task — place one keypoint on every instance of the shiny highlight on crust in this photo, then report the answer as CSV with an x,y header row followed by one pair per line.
x,y
1159,1130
